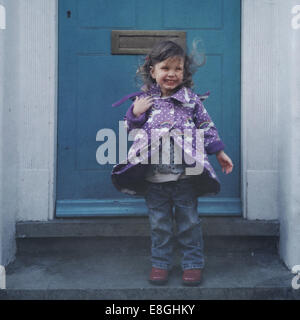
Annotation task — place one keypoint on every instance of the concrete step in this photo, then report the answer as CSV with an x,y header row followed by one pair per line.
x,y
139,226
117,268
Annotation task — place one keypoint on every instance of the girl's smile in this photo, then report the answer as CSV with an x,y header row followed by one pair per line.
x,y
168,74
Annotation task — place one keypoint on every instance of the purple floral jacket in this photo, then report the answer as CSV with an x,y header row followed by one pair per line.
x,y
183,110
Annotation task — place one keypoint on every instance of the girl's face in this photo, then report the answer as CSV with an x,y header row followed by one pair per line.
x,y
168,74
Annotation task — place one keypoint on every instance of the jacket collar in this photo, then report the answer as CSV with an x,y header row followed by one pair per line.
x,y
183,95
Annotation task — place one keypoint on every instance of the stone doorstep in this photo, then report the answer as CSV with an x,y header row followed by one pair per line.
x,y
90,259
112,268
139,226
153,294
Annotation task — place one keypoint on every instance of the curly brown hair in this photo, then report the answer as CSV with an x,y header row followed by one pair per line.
x,y
160,52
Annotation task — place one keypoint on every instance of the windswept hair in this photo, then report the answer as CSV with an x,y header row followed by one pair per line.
x,y
162,51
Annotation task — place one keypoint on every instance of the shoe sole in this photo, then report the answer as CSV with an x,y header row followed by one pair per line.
x,y
158,282
191,283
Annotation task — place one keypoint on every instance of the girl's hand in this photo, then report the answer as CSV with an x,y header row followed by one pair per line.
x,y
141,105
225,161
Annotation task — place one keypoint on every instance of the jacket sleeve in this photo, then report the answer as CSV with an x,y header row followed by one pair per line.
x,y
212,141
132,121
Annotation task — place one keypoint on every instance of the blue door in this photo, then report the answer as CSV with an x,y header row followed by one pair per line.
x,y
91,79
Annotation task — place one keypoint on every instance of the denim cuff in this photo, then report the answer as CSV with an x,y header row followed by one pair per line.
x,y
161,266
193,266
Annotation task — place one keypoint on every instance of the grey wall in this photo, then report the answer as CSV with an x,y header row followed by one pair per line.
x,y
289,130
9,134
37,112
28,64
259,109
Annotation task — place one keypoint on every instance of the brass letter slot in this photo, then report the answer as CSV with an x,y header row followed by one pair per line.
x,y
141,41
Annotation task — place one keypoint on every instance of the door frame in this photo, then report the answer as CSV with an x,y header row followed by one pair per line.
x,y
52,191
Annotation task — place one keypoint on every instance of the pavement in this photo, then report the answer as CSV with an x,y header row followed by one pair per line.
x,y
117,268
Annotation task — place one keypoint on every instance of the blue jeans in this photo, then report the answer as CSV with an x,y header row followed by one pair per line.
x,y
160,199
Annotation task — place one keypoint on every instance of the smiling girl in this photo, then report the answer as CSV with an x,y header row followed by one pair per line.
x,y
168,102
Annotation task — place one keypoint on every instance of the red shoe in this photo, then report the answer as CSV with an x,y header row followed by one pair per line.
x,y
158,276
192,277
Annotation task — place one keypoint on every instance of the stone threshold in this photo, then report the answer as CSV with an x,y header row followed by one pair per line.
x,y
139,226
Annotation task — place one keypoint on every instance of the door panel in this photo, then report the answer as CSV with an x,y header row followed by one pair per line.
x,y
91,79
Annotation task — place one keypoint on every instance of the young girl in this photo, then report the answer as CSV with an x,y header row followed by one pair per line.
x,y
167,102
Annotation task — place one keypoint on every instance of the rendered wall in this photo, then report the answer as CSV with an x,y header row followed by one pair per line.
x,y
9,95
288,35
259,109
37,111
28,64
